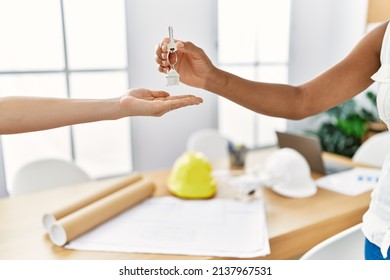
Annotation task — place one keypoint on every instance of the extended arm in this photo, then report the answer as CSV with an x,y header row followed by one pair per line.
x,y
340,83
24,114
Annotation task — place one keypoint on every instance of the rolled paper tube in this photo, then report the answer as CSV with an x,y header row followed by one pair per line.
x,y
50,218
94,214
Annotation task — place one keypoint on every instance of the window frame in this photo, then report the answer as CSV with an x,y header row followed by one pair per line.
x,y
67,72
254,66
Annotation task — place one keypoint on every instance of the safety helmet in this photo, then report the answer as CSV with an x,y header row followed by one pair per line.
x,y
191,177
287,173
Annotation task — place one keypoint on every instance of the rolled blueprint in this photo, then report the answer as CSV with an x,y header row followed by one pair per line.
x,y
50,218
92,215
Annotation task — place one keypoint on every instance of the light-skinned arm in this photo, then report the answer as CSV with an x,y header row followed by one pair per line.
x,y
24,114
341,82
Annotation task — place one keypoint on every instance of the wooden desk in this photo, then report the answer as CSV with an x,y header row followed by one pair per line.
x,y
294,225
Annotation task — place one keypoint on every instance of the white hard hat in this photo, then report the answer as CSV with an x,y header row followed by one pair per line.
x,y
287,173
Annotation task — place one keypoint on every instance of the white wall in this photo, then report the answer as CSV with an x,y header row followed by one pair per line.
x,y
157,142
322,33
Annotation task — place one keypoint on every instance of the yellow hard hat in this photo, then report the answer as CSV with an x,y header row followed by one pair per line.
x,y
191,177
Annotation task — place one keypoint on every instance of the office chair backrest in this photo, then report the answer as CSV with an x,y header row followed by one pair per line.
x,y
46,173
374,150
213,145
346,245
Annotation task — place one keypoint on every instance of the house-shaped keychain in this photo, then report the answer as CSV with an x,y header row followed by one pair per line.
x,y
172,77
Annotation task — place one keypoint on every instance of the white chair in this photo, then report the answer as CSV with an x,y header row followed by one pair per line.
x,y
374,150
213,145
346,245
46,173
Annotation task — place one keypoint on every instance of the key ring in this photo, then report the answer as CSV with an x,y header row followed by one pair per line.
x,y
169,62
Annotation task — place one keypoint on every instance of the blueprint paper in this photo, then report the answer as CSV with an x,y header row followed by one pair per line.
x,y
168,225
351,182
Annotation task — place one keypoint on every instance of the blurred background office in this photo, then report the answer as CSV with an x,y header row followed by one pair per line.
x,y
99,48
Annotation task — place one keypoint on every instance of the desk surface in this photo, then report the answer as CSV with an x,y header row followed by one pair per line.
x,y
294,225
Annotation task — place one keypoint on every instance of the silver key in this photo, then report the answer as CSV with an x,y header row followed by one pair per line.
x,y
171,44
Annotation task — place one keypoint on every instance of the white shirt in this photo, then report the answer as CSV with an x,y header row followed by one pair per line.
x,y
376,221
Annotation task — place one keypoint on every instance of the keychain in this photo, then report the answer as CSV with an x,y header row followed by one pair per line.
x,y
172,76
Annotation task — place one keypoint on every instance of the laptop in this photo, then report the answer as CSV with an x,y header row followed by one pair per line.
x,y
310,148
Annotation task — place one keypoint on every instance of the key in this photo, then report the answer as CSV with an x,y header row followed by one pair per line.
x,y
171,44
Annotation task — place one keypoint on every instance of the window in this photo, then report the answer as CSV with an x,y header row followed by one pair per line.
x,y
48,48
253,43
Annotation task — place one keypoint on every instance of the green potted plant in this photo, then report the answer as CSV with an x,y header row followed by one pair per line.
x,y
348,126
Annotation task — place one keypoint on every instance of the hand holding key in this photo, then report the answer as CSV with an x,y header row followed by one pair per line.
x,y
191,61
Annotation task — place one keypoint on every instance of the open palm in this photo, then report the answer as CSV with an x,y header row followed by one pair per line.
x,y
145,102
